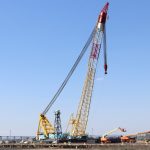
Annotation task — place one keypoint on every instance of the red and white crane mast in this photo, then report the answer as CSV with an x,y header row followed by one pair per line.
x,y
80,122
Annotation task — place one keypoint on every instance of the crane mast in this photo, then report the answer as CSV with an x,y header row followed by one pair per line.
x,y
80,122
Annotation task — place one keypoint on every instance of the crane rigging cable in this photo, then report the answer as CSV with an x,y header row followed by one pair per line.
x,y
105,48
70,73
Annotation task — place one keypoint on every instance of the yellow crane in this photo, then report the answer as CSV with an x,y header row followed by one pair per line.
x,y
45,128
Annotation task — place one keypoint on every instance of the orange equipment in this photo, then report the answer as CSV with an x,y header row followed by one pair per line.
x,y
128,138
132,137
105,139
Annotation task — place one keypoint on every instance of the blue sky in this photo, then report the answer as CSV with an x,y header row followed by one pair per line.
x,y
39,42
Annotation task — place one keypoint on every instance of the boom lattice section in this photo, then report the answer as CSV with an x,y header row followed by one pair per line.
x,y
80,122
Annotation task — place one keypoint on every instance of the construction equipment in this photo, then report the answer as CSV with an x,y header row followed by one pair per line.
x,y
57,126
80,123
105,139
45,128
70,122
131,138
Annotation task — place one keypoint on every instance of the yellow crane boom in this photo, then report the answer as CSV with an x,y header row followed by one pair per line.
x,y
80,123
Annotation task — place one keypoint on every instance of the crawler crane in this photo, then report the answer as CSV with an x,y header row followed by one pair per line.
x,y
45,128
